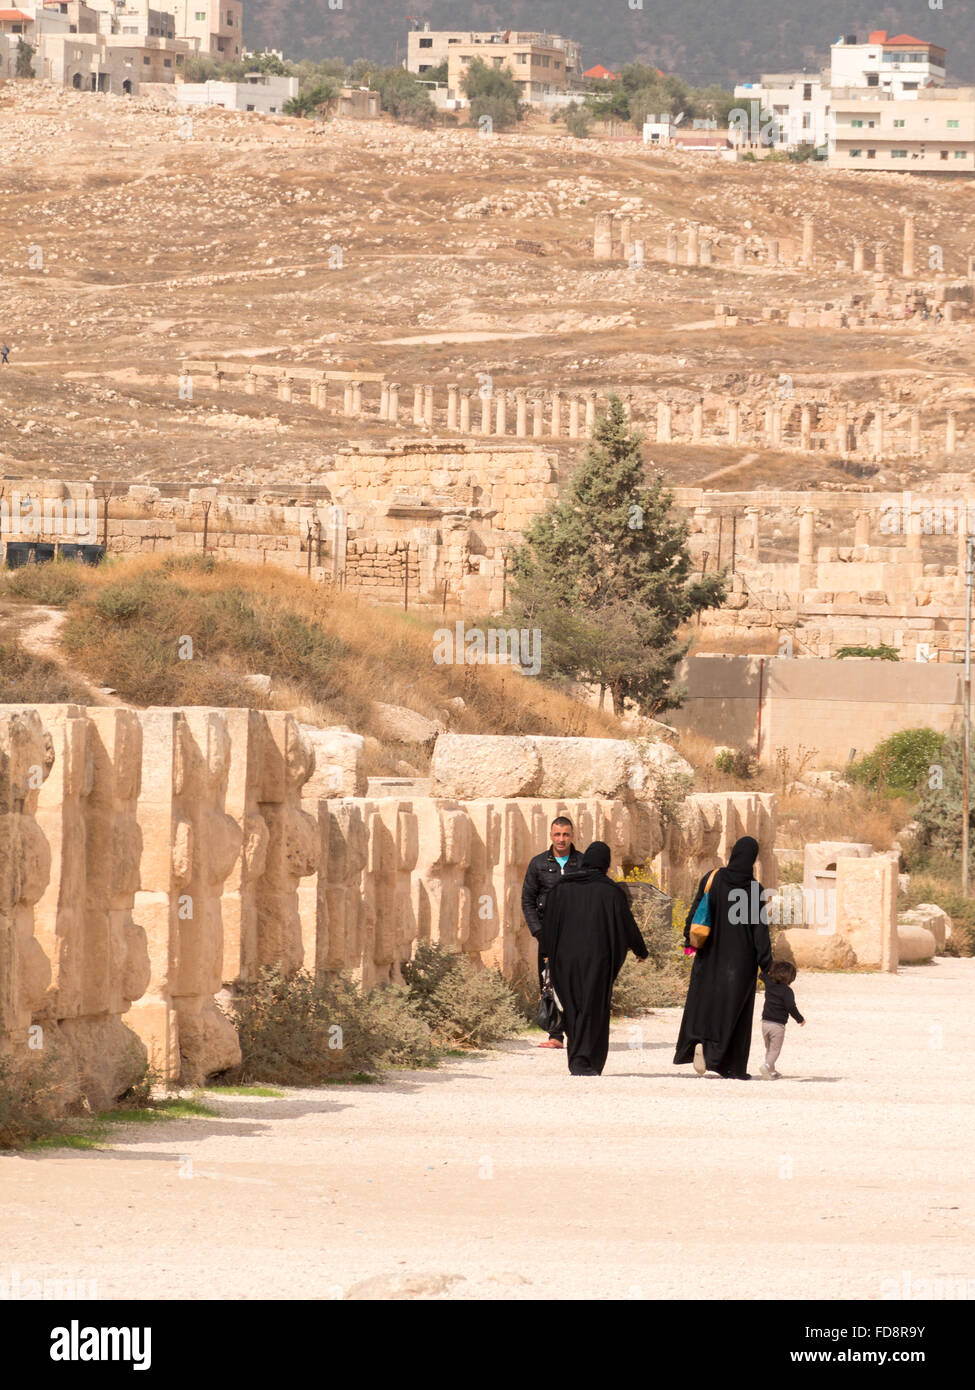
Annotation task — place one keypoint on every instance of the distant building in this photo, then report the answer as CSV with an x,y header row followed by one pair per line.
x,y
101,46
543,65
601,74
797,105
259,92
932,132
359,103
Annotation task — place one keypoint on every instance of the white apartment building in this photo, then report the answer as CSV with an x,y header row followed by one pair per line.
x,y
931,132
543,65
790,109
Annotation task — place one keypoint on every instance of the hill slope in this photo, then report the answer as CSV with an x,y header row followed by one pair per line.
x,y
704,41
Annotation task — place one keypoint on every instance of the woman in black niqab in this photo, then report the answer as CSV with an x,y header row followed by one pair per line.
x,y
587,930
721,995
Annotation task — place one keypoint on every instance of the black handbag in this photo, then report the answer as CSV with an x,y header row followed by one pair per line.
x,y
549,1013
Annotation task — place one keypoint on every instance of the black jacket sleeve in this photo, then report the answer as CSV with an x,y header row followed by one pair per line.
x,y
791,1005
760,936
529,900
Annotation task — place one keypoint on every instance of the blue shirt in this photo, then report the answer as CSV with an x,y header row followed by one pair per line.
x,y
562,862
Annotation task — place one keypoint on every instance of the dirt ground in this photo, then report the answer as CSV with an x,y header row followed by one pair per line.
x,y
499,1176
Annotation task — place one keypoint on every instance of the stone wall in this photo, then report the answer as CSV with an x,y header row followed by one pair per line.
x,y
151,859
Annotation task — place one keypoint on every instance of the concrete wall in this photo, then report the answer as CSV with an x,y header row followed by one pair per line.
x,y
830,706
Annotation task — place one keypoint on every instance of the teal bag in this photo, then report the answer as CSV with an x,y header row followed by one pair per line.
x,y
700,928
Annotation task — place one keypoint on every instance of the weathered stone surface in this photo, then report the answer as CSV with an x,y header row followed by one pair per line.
x,y
914,943
402,725
340,766
810,950
932,918
866,908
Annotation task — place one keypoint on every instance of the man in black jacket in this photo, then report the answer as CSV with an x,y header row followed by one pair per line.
x,y
544,872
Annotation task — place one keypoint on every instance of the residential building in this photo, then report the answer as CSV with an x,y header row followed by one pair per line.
x,y
543,65
789,109
932,132
211,27
260,92
601,74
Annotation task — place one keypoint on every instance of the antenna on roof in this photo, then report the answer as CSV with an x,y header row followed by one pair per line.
x,y
678,119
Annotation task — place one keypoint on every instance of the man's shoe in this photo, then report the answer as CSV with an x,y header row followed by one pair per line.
x,y
766,1073
551,1042
777,1075
700,1066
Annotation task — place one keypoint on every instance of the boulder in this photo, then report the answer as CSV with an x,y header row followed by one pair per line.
x,y
932,918
914,943
402,725
340,763
810,950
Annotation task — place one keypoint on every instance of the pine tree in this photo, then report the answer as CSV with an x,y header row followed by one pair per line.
x,y
605,574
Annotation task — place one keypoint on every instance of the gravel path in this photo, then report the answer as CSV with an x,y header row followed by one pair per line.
x,y
499,1176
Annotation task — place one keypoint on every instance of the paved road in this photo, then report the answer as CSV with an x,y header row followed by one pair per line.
x,y
500,1176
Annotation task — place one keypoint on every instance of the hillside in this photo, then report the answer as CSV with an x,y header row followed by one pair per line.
x,y
705,41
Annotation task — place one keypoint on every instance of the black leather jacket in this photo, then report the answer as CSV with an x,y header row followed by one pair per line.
x,y
544,872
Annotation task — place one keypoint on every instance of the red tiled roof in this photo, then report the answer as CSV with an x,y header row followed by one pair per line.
x,y
15,14
601,72
900,39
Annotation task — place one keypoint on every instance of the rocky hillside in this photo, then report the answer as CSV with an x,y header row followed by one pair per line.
x,y
705,41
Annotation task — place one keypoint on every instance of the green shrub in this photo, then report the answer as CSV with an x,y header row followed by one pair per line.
x,y
882,653
736,762
32,1099
461,1002
54,584
296,1030
900,763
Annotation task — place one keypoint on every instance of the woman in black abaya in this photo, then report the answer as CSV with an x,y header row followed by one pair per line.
x,y
586,932
716,1029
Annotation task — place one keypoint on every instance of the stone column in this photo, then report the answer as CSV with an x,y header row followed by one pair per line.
x,y
663,422
739,256
626,236
693,245
907,269
392,407
537,422
590,414
808,241
556,430
772,251
347,398
861,533
428,406
452,407
951,432
603,237
751,532
707,252
697,422
878,433
673,248
805,429
485,414
284,389
843,429
915,432
465,412
418,405
858,257
250,383
807,557
880,258
734,421
501,412
777,412
521,412
384,401
357,398
573,417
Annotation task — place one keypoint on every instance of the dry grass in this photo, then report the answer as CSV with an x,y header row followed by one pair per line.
x,y
858,815
328,653
26,679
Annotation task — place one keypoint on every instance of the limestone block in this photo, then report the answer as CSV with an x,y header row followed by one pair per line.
x,y
402,725
811,950
340,767
866,909
932,918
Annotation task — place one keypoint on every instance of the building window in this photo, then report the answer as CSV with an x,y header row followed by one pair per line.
x,y
959,154
873,79
167,63
900,123
424,43
145,62
807,91
200,14
898,154
855,154
857,125
871,154
954,125
521,57
251,108
944,154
